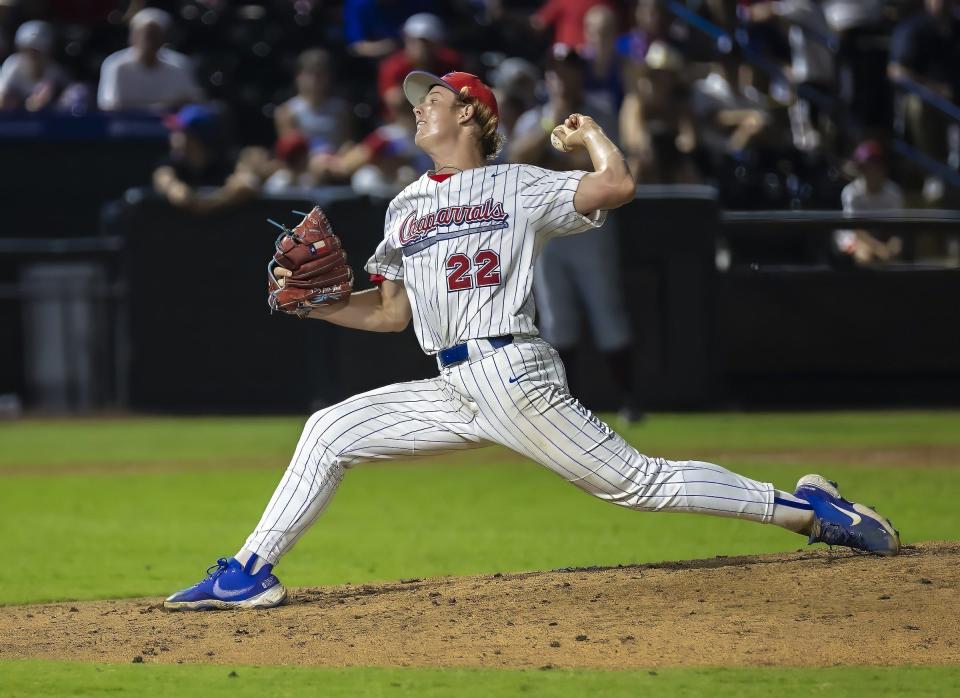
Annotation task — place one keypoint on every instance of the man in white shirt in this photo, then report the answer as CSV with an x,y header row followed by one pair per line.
x,y
146,75
870,191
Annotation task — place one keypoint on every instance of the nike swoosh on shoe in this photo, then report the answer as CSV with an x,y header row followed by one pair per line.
x,y
228,593
855,519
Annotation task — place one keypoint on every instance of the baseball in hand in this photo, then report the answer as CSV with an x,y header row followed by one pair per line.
x,y
558,138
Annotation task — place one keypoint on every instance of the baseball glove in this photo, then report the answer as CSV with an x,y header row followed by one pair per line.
x,y
317,263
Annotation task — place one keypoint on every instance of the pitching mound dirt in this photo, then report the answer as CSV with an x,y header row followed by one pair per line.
x,y
801,609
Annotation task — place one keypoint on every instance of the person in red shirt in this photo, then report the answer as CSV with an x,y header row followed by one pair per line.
x,y
565,17
423,49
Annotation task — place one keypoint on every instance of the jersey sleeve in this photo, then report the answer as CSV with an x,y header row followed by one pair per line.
x,y
387,259
547,198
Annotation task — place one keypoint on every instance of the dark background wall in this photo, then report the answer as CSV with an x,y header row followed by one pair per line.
x,y
819,337
202,338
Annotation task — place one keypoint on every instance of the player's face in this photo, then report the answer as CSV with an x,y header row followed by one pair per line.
x,y
436,117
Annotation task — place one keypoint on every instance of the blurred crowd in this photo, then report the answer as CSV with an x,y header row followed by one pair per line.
x,y
778,103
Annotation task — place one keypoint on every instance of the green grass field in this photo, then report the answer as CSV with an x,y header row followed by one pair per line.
x,y
30,679
112,508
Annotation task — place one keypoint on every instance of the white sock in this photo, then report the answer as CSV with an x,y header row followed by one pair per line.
x,y
243,557
791,513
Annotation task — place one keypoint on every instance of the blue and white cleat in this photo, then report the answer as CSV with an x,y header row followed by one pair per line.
x,y
839,522
229,584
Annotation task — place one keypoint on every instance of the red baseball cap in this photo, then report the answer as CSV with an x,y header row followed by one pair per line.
x,y
418,83
868,151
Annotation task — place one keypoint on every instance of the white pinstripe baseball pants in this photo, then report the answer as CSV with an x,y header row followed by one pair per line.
x,y
515,396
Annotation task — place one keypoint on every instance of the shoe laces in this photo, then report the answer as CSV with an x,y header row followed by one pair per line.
x,y
216,570
835,534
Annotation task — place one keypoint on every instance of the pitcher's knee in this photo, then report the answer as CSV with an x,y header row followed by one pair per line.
x,y
322,440
319,419
638,484
331,422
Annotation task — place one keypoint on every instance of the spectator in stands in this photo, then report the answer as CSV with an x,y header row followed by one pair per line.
x,y
564,19
29,78
870,191
605,74
423,49
200,175
146,75
293,173
580,270
385,161
757,26
730,120
811,63
844,15
565,78
925,49
515,82
861,59
656,126
373,27
651,26
314,112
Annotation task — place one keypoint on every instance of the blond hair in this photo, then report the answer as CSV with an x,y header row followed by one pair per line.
x,y
491,140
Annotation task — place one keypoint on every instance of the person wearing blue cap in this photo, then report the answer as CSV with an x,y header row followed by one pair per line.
x,y
199,175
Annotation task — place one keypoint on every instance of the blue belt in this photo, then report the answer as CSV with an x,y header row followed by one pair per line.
x,y
459,352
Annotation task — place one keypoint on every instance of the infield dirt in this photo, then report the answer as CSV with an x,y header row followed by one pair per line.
x,y
811,608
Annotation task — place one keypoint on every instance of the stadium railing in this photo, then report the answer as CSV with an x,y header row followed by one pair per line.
x,y
724,43
793,330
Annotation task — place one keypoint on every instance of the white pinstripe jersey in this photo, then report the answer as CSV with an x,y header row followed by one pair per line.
x,y
464,248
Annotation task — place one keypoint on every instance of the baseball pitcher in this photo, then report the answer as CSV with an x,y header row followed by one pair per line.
x,y
457,260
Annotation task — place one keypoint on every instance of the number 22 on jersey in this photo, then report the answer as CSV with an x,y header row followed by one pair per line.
x,y
464,273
